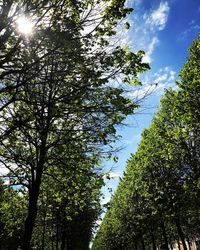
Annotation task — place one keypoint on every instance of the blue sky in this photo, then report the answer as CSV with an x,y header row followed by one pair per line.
x,y
165,31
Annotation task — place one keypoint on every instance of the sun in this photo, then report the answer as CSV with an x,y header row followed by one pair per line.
x,y
24,25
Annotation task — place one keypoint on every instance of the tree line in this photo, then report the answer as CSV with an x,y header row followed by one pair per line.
x,y
59,107
157,202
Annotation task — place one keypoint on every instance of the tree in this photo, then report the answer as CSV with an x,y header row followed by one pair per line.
x,y
57,100
12,211
68,207
161,183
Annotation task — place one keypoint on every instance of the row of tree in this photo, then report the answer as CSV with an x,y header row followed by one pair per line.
x,y
67,210
157,202
58,112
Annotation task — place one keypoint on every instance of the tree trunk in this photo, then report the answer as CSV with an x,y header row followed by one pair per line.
x,y
63,239
142,243
153,241
179,247
189,244
52,244
136,247
34,191
68,243
57,238
52,236
43,232
162,225
32,211
180,233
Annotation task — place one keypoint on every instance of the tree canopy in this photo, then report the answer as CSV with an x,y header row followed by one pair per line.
x,y
157,201
59,106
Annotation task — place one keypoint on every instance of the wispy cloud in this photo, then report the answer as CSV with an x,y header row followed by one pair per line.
x,y
142,92
133,3
158,17
155,83
3,170
150,49
145,28
112,175
115,174
165,75
153,22
144,35
105,200
3,174
193,28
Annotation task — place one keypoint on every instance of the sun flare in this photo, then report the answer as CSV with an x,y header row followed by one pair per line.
x,y
24,25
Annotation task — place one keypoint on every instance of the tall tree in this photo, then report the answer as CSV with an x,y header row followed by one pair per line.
x,y
161,183
56,100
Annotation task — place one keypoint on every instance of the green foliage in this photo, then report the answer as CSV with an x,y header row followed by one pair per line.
x,y
12,211
158,198
59,108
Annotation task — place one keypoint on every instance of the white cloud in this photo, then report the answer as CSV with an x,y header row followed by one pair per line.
x,y
158,17
191,30
6,181
3,170
150,49
155,83
161,78
164,78
115,174
132,3
145,28
112,175
3,174
144,35
105,200
142,92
